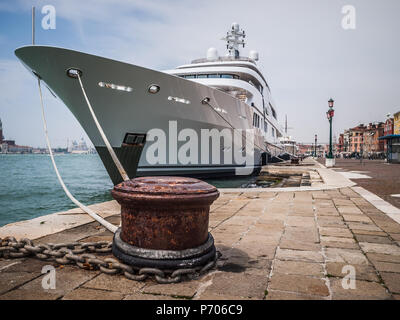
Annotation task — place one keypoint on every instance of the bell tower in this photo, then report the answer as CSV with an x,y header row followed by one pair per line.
x,y
1,132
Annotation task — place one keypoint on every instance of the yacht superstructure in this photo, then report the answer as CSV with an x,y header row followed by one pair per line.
x,y
132,103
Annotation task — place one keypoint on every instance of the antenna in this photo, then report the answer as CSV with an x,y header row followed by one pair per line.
x,y
286,127
234,39
33,25
286,123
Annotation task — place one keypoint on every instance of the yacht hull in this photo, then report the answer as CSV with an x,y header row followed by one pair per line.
x,y
120,112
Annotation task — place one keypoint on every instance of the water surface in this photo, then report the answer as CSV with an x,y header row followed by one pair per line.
x,y
29,187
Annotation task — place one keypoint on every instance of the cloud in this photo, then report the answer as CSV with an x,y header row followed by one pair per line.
x,y
304,53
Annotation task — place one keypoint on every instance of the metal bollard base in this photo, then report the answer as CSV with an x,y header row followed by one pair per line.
x,y
163,259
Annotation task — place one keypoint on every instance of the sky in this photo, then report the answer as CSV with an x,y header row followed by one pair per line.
x,y
305,54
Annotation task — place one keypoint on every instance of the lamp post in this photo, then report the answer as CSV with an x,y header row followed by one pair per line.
x,y
330,162
315,147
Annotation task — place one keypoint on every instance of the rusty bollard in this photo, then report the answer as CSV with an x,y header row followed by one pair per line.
x,y
164,222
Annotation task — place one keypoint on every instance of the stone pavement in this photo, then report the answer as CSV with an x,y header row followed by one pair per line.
x,y
274,245
384,177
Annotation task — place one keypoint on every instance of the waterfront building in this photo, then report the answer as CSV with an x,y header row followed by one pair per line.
x,y
79,148
9,146
372,145
19,149
340,145
356,138
309,149
396,123
346,140
1,133
393,141
389,123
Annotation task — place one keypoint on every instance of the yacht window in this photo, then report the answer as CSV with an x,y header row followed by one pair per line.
x,y
190,76
213,75
201,76
273,132
273,111
227,76
265,126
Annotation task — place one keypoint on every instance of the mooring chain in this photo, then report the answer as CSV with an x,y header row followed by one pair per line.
x,y
81,254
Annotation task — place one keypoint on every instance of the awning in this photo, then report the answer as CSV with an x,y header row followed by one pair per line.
x,y
390,136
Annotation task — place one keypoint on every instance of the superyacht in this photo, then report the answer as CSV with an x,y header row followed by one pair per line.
x,y
216,92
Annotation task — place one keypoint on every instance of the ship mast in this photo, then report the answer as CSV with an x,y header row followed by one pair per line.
x,y
234,38
286,124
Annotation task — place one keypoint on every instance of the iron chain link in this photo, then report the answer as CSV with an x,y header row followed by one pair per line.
x,y
81,254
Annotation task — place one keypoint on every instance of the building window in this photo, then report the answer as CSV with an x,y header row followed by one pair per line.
x,y
256,120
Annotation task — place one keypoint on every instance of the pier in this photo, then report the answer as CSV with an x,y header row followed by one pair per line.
x,y
276,243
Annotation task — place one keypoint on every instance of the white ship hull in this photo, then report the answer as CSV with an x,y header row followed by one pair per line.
x,y
138,111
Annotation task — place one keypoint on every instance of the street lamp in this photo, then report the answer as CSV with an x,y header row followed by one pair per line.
x,y
315,147
330,115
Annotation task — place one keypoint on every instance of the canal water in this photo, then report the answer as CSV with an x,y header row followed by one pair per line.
x,y
29,187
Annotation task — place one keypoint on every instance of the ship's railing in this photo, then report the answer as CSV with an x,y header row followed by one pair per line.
x,y
203,60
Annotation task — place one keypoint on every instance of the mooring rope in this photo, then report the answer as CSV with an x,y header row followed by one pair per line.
x,y
105,140
89,211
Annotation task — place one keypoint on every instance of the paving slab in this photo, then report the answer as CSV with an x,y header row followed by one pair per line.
x,y
92,294
275,244
237,284
298,284
364,290
299,268
362,272
347,256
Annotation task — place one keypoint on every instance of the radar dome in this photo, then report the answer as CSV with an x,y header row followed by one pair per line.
x,y
253,55
235,26
212,54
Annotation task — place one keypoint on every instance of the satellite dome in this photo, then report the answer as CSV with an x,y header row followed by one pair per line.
x,y
212,54
253,55
235,26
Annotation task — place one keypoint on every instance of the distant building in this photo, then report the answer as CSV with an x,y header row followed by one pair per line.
x,y
340,144
79,148
396,123
388,130
309,149
393,140
346,141
9,146
372,144
356,138
1,133
364,140
19,149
